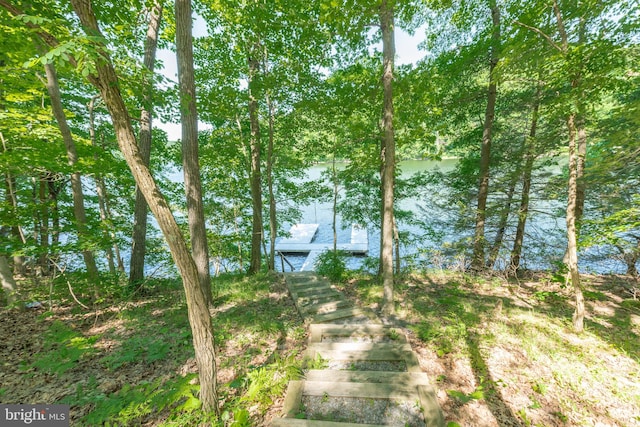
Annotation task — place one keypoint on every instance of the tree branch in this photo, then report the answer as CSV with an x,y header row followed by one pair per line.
x,y
540,32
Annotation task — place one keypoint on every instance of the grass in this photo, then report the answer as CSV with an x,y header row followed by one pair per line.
x,y
510,348
501,353
130,361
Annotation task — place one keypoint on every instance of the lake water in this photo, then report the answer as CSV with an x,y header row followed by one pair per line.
x,y
543,245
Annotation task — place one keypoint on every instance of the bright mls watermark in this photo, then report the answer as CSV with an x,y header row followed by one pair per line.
x,y
34,415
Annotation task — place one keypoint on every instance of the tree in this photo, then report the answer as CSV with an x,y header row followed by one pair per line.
x,y
138,240
388,158
6,278
76,180
255,174
190,157
105,80
477,262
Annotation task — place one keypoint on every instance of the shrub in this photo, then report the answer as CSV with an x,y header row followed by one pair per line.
x,y
332,265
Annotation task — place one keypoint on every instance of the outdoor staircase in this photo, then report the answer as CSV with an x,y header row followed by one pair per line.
x,y
366,373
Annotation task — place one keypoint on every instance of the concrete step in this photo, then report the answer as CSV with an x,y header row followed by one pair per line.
x,y
408,357
396,390
326,307
341,314
316,291
302,276
318,331
407,378
310,300
307,285
346,347
293,422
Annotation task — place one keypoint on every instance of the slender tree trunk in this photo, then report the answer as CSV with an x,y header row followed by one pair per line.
x,y
199,318
388,158
523,212
76,180
502,223
273,222
43,200
101,190
479,240
16,231
334,207
6,277
581,133
140,213
396,241
572,234
190,155
573,192
54,190
255,177
12,201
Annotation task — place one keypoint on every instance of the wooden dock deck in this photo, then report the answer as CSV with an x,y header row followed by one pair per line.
x,y
301,241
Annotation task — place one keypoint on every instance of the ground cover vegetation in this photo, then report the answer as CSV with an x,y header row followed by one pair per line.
x,y
538,102
502,352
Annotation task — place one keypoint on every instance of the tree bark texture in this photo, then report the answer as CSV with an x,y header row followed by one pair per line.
x,y
79,212
388,159
572,235
573,197
6,277
140,214
255,174
523,211
107,83
479,240
273,221
190,154
502,223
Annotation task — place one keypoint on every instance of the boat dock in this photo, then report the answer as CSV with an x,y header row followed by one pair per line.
x,y
301,241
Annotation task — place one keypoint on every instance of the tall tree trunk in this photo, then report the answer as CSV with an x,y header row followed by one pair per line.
x,y
190,156
573,208
388,158
523,212
572,234
255,176
76,180
479,240
582,132
101,190
273,221
140,213
502,223
199,318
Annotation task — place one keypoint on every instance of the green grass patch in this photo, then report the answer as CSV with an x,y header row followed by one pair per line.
x,y
144,352
63,348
